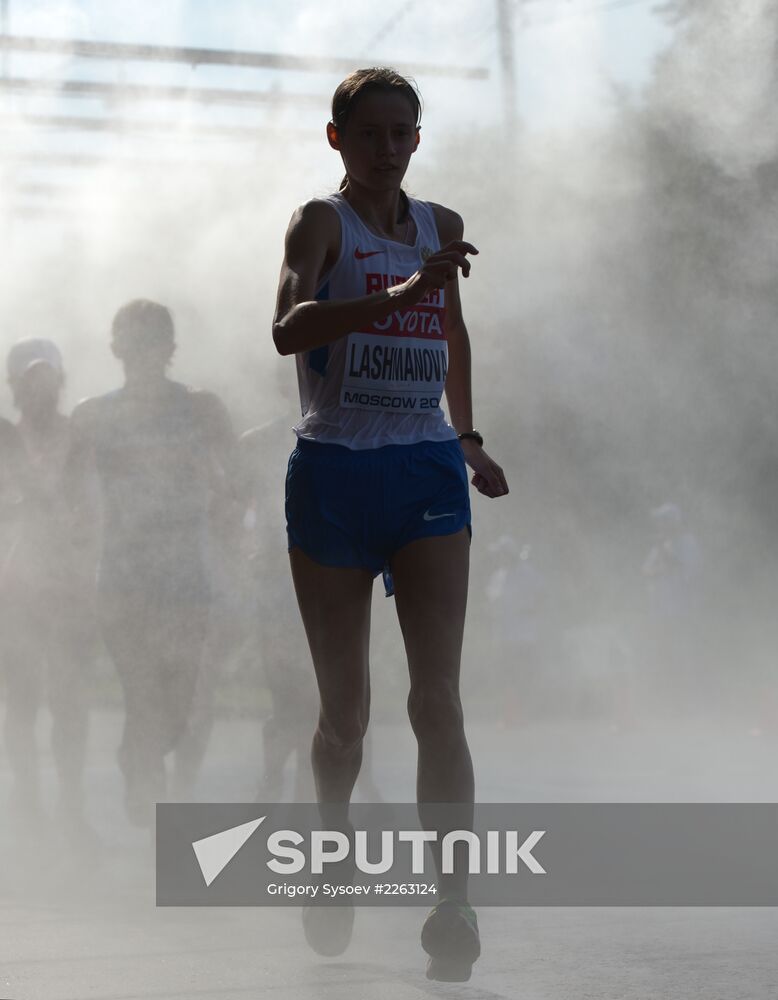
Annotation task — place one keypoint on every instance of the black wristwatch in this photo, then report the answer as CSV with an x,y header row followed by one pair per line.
x,y
473,435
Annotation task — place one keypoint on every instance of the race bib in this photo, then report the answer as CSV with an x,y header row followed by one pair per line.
x,y
400,363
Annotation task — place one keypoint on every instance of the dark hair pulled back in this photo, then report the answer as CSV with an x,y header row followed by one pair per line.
x,y
377,78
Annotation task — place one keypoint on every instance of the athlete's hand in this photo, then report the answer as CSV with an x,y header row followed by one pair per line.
x,y
441,267
488,477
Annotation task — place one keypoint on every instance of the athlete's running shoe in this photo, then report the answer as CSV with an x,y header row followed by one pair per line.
x,y
328,928
450,937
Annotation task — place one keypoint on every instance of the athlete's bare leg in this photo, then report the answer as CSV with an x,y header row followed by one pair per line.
x,y
335,608
430,580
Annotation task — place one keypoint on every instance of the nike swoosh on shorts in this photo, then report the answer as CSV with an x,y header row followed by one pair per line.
x,y
433,517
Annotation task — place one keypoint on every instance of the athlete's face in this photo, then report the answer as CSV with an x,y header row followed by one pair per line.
x,y
144,357
378,140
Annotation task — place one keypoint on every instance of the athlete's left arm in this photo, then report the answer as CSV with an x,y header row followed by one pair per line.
x,y
488,477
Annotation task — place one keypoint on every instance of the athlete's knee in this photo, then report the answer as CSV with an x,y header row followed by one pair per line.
x,y
342,733
435,710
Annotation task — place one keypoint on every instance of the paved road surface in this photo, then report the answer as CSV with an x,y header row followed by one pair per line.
x,y
83,927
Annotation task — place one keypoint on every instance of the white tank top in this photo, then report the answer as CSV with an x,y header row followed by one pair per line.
x,y
381,384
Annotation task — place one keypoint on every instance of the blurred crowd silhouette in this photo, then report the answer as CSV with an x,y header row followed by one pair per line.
x,y
144,531
139,527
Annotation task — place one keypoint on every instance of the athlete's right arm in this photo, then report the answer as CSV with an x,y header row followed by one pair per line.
x,y
302,323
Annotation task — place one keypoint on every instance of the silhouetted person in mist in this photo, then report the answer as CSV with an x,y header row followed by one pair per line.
x,y
224,638
47,591
12,466
276,634
226,634
165,456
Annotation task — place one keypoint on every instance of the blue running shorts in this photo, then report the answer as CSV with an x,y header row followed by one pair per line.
x,y
353,508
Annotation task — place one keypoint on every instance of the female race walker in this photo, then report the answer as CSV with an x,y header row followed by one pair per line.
x,y
368,302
